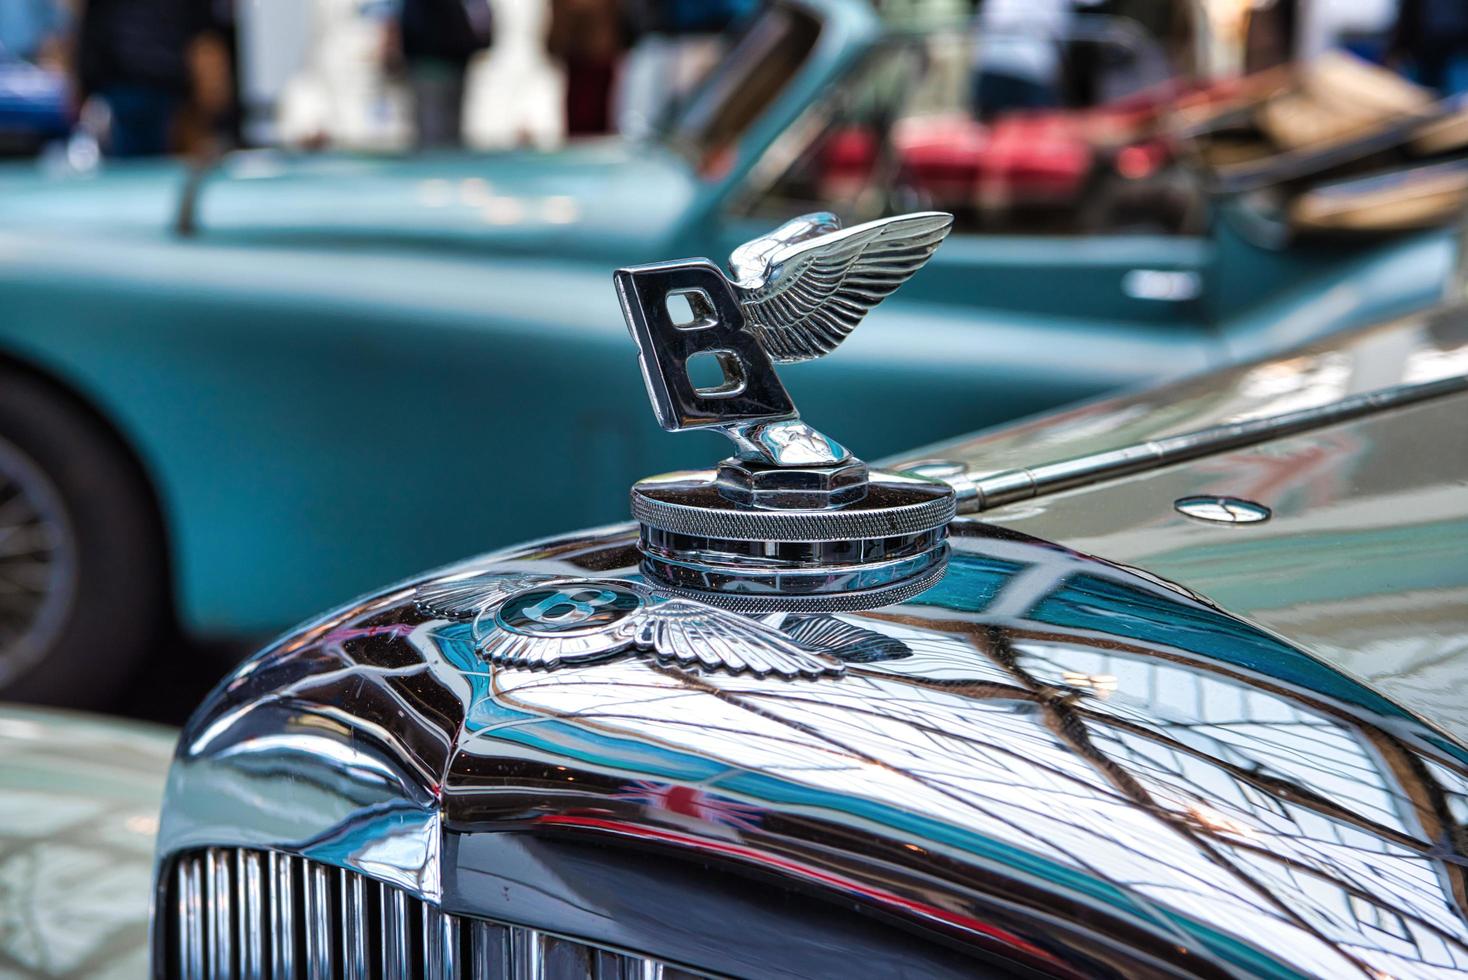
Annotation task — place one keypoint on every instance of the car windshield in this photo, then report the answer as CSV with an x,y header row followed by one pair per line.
x,y
766,55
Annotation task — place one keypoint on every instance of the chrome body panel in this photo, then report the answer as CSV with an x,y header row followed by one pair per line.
x,y
1362,561
1047,760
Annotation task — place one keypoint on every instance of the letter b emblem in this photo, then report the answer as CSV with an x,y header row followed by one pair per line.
x,y
750,392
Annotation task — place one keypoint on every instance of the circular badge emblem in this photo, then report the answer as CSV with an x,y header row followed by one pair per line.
x,y
1222,510
568,608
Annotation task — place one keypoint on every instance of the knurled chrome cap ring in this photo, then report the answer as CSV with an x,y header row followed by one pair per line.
x,y
688,503
758,603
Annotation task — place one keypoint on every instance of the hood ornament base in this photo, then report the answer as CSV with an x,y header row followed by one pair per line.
x,y
887,546
792,521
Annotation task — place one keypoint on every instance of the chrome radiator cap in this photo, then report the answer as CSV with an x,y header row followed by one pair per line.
x,y
792,521
886,547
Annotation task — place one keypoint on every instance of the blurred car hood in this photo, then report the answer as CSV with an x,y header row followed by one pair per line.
x,y
79,802
603,197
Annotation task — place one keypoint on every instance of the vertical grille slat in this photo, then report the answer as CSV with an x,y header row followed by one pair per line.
x,y
250,876
525,954
282,916
263,915
616,966
396,958
449,941
318,922
491,949
190,920
432,942
353,916
219,882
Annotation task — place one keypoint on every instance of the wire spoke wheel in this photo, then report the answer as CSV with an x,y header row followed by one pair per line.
x,y
37,563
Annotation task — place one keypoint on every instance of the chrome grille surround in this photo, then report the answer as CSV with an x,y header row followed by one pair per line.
x,y
256,914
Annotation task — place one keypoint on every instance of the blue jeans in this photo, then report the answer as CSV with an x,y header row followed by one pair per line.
x,y
141,118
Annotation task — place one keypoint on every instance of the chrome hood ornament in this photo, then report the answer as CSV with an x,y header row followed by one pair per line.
x,y
798,292
805,286
792,520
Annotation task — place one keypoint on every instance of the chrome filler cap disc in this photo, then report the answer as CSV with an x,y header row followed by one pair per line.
x,y
692,503
884,548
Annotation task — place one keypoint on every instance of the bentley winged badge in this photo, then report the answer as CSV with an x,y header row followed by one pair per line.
x,y
792,520
544,621
797,293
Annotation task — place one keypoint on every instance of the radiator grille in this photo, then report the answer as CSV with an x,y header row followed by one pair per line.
x,y
259,915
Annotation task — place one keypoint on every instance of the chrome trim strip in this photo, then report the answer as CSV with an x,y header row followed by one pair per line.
x,y
996,489
220,921
250,878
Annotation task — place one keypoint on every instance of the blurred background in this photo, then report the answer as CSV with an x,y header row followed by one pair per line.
x,y
154,77
302,296
146,77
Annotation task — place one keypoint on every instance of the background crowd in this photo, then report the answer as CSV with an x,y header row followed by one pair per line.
x,y
156,76
143,77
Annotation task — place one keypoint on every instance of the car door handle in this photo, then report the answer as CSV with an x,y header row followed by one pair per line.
x,y
1162,285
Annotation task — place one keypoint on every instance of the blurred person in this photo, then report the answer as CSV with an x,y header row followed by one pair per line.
x,y
674,43
343,95
208,123
224,28
517,62
437,39
135,57
586,36
1018,55
1432,35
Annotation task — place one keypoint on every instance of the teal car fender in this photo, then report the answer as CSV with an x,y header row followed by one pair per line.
x,y
261,390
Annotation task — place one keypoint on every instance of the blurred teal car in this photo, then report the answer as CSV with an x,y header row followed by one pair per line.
x,y
231,396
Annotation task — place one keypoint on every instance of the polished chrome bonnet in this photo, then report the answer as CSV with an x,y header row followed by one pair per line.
x,y
792,521
1045,762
